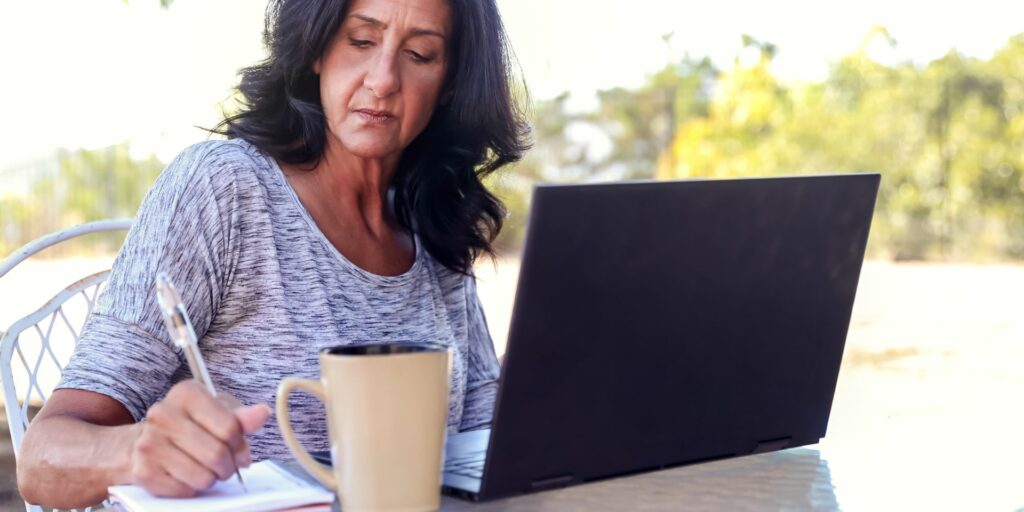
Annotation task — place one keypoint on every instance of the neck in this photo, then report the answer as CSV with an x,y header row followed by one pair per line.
x,y
355,188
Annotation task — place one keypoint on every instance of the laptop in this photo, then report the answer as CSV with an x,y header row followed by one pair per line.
x,y
658,324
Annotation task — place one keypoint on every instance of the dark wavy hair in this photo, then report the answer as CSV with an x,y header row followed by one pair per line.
x,y
438,192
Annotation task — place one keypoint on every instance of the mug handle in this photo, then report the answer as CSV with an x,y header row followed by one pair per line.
x,y
319,471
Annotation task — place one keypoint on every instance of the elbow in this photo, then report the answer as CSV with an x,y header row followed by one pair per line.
x,y
35,490
31,473
26,468
28,492
28,480
42,483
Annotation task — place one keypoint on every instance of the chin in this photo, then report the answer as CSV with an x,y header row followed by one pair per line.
x,y
370,147
370,151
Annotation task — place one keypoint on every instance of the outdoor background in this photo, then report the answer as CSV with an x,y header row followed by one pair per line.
x,y
98,95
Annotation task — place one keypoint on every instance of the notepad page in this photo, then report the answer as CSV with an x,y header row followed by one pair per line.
x,y
270,487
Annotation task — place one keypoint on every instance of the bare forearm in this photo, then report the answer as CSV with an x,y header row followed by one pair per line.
x,y
66,462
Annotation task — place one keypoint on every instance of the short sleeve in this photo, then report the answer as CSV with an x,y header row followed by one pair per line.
x,y
184,227
482,381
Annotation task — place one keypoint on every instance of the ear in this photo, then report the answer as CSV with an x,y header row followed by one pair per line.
x,y
316,67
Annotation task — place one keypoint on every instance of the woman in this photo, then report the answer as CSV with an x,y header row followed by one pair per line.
x,y
346,207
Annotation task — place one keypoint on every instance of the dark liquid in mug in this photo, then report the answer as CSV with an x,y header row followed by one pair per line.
x,y
382,349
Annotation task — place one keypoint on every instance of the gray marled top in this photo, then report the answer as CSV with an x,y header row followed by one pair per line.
x,y
266,291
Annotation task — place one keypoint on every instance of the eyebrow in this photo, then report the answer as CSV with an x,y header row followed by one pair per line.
x,y
378,23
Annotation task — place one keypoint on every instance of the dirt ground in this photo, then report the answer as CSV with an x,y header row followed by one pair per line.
x,y
932,371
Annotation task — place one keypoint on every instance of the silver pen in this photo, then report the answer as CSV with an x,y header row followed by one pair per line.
x,y
180,328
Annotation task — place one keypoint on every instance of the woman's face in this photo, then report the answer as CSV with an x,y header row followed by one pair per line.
x,y
381,76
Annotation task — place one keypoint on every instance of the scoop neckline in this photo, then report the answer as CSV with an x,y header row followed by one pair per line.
x,y
346,263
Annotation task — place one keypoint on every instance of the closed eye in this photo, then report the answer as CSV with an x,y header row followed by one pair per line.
x,y
360,43
419,58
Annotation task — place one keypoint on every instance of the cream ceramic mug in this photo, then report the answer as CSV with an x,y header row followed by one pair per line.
x,y
387,408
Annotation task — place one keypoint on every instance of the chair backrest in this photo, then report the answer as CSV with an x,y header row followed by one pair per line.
x,y
35,348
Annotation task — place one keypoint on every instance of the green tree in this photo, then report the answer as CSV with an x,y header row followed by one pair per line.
x,y
89,185
642,123
946,137
553,153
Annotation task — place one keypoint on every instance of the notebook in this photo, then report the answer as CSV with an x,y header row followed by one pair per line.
x,y
270,486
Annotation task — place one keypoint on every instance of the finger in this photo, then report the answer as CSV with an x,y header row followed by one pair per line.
x,y
147,472
216,418
229,400
158,482
210,412
253,417
211,415
208,450
243,457
185,469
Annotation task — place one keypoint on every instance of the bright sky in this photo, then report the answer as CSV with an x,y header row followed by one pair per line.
x,y
90,73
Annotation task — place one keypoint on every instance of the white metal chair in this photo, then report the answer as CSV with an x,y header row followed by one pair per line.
x,y
34,350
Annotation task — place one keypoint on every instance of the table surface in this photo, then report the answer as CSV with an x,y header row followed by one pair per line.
x,y
817,477
894,473
795,479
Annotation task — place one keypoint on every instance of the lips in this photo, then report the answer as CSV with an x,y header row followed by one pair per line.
x,y
374,116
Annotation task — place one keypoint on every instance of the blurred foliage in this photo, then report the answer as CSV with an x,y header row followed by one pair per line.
x,y
86,185
947,136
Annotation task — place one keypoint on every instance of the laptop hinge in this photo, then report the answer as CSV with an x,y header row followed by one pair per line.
x,y
770,445
551,483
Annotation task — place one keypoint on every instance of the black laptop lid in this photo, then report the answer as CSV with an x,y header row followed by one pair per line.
x,y
661,323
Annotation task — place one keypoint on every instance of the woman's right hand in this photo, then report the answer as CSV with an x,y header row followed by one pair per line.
x,y
190,438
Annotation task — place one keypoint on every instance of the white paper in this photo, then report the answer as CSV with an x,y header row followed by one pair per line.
x,y
270,487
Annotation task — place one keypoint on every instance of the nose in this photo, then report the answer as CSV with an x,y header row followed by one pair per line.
x,y
382,77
